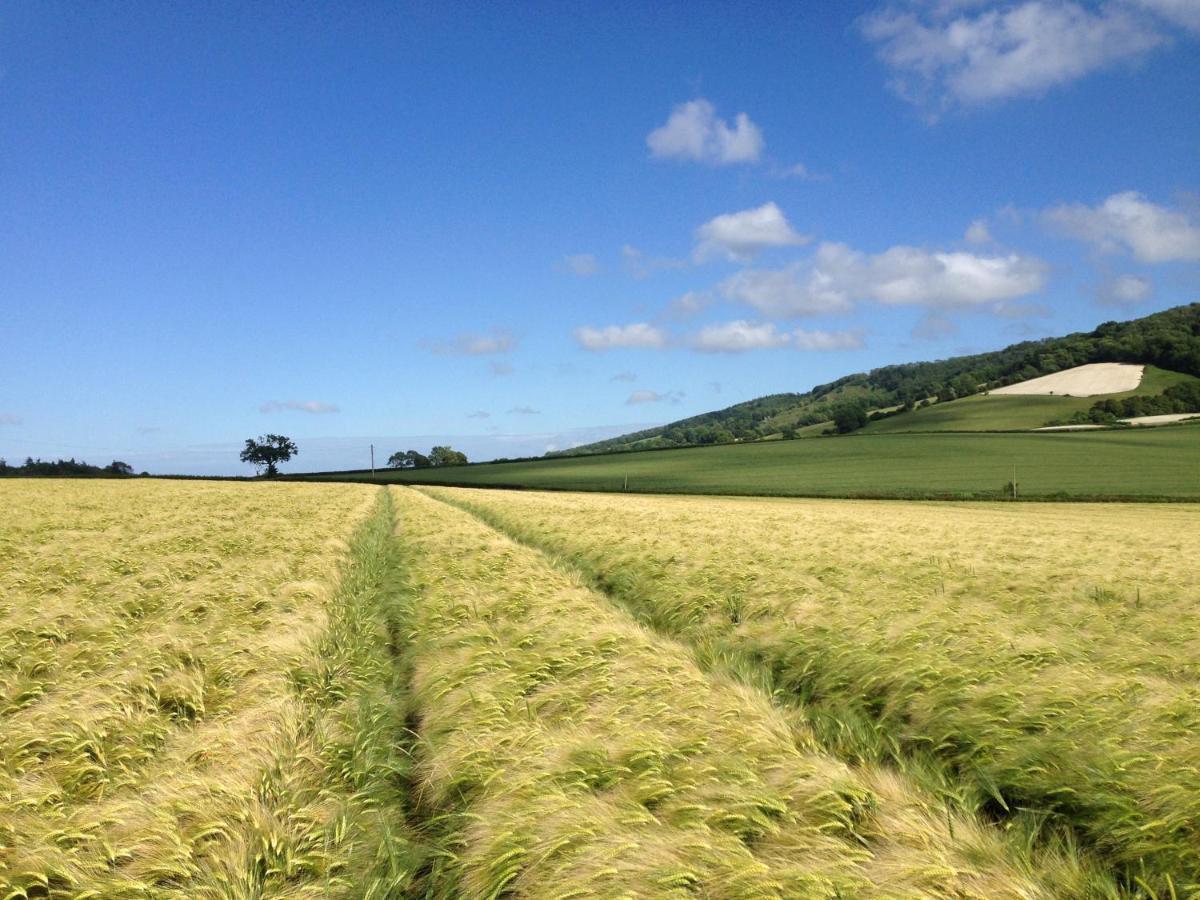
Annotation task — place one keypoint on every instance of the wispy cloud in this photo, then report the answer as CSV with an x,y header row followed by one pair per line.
x,y
10,419
1129,222
308,406
524,411
800,172
690,304
581,264
624,376
934,326
638,398
694,133
479,414
474,344
946,54
500,367
613,337
639,265
1125,290
978,232
741,236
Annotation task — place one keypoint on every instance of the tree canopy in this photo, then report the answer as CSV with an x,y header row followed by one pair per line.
x,y
447,456
268,451
408,459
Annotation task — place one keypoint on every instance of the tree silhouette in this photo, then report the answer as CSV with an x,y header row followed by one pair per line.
x,y
269,450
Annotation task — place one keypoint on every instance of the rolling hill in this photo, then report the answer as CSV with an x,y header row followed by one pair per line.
x,y
1168,343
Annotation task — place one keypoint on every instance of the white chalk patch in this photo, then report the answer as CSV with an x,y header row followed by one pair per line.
x,y
1081,381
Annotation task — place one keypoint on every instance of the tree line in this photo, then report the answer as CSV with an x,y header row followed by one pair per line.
x,y
64,468
438,456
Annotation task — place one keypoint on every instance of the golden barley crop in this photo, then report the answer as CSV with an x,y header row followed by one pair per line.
x,y
565,751
1043,659
188,674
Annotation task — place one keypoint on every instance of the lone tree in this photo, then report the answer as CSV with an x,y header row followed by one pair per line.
x,y
269,450
849,415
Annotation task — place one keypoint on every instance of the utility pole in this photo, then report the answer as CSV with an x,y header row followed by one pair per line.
x,y
372,459
1014,481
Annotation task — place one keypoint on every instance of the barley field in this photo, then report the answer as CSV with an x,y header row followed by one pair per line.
x,y
1040,662
285,690
190,693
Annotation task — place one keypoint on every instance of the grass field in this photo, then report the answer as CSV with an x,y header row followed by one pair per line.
x,y
1158,463
1043,657
193,702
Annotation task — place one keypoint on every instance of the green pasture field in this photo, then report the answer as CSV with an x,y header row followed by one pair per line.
x,y
1161,463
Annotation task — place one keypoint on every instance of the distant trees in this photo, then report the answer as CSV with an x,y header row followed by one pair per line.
x,y
438,456
447,456
268,451
64,468
1178,398
409,459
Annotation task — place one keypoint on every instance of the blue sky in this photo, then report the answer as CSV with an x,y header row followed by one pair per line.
x,y
518,227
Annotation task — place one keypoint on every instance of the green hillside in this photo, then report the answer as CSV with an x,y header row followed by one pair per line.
x,y
1130,463
1168,340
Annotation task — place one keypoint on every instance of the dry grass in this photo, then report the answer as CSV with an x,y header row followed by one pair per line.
x,y
1044,658
168,723
568,752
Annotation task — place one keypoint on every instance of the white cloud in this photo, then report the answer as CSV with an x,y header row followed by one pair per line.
x,y
837,275
581,264
308,406
10,419
797,290
948,54
693,132
500,367
639,265
1152,233
479,414
524,411
624,376
739,336
978,233
474,344
639,397
639,334
740,236
1125,290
